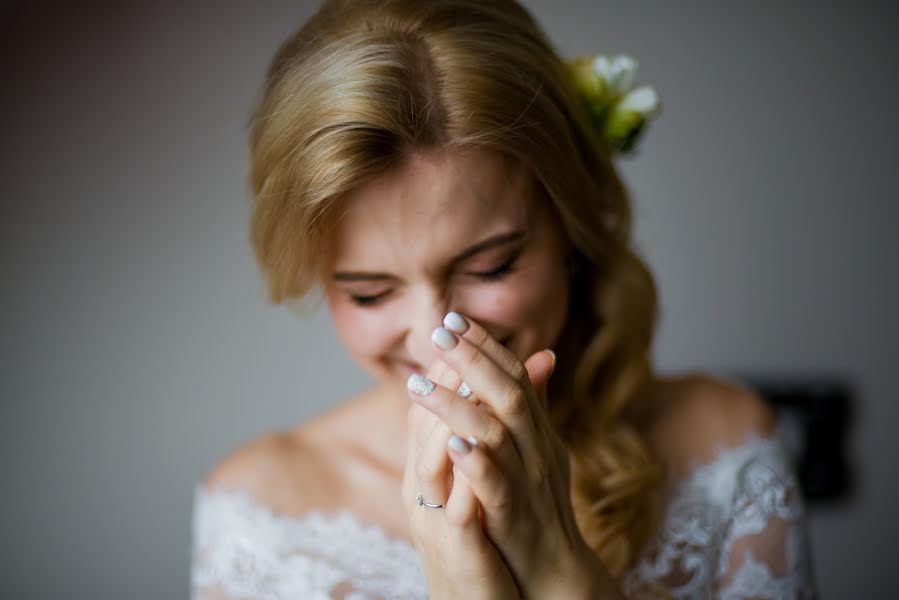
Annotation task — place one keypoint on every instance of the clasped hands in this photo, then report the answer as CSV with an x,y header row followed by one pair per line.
x,y
507,526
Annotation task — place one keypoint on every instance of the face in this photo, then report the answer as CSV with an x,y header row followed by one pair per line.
x,y
445,231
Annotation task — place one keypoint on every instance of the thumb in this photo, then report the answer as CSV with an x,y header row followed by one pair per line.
x,y
539,367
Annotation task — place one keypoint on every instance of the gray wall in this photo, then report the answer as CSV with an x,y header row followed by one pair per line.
x,y
136,344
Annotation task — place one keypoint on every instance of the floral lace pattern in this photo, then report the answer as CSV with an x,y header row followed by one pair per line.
x,y
732,529
244,550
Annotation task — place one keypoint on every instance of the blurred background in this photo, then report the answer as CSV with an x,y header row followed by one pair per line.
x,y
138,348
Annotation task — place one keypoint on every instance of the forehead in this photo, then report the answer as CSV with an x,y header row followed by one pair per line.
x,y
434,204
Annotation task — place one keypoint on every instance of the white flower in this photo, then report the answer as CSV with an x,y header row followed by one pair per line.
x,y
618,72
619,110
643,100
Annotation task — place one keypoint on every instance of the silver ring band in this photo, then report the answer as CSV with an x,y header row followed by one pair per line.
x,y
421,502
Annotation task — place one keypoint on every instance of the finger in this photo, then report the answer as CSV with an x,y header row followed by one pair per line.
x,y
540,366
431,427
424,454
432,466
458,324
418,420
537,375
501,355
510,396
439,372
413,425
477,335
537,367
430,458
469,421
538,372
463,517
462,506
488,482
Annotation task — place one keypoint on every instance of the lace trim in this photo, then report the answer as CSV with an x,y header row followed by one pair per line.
x,y
253,552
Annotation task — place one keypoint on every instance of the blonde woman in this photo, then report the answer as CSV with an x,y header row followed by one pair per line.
x,y
432,170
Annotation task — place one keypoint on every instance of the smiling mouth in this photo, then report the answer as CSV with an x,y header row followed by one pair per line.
x,y
412,367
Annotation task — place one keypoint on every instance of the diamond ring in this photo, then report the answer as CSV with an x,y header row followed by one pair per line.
x,y
421,502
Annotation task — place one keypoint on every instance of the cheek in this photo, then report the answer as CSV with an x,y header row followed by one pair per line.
x,y
532,299
363,331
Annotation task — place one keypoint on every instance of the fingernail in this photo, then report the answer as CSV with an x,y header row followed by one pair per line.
x,y
419,384
455,322
472,440
459,445
553,354
444,339
464,390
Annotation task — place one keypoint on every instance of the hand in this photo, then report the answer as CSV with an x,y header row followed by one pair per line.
x,y
459,560
518,468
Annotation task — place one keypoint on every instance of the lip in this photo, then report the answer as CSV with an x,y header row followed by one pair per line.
x,y
411,368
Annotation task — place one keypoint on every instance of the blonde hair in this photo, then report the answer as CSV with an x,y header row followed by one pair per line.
x,y
364,83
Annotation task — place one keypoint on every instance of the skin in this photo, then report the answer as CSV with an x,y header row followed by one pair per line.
x,y
407,250
469,232
408,225
512,475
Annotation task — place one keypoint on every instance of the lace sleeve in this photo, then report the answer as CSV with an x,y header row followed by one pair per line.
x,y
764,553
733,529
243,550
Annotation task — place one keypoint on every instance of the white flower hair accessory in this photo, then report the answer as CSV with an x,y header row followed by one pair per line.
x,y
619,111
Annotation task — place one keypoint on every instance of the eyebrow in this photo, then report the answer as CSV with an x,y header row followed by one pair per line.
x,y
495,241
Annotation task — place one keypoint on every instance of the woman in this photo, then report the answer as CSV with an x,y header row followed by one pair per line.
x,y
432,167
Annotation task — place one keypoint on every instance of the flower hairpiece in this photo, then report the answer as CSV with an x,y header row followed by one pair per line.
x,y
619,111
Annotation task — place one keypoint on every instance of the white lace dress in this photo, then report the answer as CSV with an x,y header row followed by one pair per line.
x,y
733,529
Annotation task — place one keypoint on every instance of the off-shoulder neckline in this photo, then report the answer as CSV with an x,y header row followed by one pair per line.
x,y
313,517
344,516
754,442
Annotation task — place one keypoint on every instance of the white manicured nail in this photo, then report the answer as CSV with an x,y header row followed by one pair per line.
x,y
458,444
464,390
420,384
455,322
444,338
472,440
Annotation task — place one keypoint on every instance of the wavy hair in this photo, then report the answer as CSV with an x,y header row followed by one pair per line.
x,y
361,85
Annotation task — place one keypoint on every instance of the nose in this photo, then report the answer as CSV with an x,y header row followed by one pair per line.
x,y
426,309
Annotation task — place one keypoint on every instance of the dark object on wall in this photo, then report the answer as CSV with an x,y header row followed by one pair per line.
x,y
815,413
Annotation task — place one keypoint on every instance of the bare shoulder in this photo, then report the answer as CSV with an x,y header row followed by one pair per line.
x,y
700,413
325,464
277,469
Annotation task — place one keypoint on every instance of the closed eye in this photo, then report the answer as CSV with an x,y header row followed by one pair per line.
x,y
367,300
491,275
501,271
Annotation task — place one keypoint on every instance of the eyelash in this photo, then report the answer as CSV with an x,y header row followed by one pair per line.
x,y
367,300
499,272
492,275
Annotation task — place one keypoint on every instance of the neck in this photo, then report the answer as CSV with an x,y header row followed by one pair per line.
x,y
382,427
